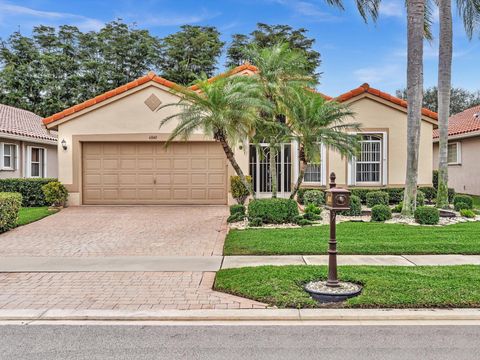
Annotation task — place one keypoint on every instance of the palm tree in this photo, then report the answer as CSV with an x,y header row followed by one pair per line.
x,y
469,10
281,70
416,31
226,109
314,120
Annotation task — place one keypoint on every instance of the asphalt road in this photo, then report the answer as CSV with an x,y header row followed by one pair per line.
x,y
239,342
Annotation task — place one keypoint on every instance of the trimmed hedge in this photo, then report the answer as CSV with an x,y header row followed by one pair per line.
x,y
381,213
468,200
355,207
427,215
239,191
273,211
55,193
237,209
301,193
10,204
377,198
316,197
459,206
30,189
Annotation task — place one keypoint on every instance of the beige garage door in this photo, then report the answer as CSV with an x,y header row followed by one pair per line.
x,y
149,173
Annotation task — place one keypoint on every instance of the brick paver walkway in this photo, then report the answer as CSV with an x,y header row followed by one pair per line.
x,y
116,290
122,231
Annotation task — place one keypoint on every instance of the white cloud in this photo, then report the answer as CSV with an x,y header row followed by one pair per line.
x,y
394,8
307,10
380,74
10,11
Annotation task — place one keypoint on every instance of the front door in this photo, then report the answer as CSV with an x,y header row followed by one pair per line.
x,y
260,169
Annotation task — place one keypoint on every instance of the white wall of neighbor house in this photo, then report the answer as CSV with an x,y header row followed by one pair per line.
x,y
464,175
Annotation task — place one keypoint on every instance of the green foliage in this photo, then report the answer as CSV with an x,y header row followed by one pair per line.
x,y
377,198
451,195
467,213
237,209
312,212
315,197
361,193
466,199
10,204
188,53
427,215
304,222
55,193
301,193
420,198
435,177
265,36
429,192
28,215
273,211
398,208
239,192
395,195
460,205
255,222
355,207
381,213
235,218
31,190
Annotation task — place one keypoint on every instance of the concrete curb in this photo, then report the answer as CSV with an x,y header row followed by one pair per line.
x,y
244,315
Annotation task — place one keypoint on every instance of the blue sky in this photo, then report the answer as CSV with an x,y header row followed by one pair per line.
x,y
352,52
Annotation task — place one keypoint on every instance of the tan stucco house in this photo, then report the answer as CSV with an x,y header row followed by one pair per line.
x,y
27,148
463,151
114,150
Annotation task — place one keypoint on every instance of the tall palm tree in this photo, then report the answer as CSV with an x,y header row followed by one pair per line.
x,y
281,70
314,120
226,109
416,31
469,10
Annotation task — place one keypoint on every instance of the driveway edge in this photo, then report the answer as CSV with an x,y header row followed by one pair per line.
x,y
245,315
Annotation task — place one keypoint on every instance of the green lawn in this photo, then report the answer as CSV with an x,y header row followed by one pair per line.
x,y
384,287
28,215
358,238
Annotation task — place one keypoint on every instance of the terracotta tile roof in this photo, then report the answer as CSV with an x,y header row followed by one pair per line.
x,y
365,88
463,123
245,67
14,121
151,76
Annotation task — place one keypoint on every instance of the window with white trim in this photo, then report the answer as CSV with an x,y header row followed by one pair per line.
x,y
315,171
368,163
454,156
37,162
8,156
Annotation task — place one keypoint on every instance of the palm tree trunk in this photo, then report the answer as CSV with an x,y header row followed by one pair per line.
x,y
231,158
444,88
273,170
415,22
301,175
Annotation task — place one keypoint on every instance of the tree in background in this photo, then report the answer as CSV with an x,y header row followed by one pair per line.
x,y
190,52
265,36
460,99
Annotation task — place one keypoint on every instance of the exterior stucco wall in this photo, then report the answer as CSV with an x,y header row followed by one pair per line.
x,y
374,116
465,177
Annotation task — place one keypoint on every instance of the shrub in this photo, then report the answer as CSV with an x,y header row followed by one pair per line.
x,y
429,192
239,191
235,218
381,213
377,198
420,198
355,207
237,209
10,204
312,212
467,213
30,189
361,193
435,179
398,208
55,193
316,197
304,222
255,222
273,211
468,200
459,206
395,195
427,215
451,195
297,218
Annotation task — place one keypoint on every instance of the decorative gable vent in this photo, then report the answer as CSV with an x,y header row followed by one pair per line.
x,y
153,102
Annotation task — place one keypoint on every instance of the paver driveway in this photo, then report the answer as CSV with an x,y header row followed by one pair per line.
x,y
122,231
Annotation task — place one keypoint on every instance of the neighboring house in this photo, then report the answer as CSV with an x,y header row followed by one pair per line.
x,y
115,154
463,151
27,148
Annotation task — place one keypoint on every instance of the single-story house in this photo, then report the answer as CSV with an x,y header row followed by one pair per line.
x,y
27,148
463,151
114,150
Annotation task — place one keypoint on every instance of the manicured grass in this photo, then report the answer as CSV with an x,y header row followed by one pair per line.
x,y
476,201
384,287
358,238
28,215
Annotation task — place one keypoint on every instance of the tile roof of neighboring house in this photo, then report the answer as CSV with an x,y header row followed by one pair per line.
x,y
365,88
465,122
151,76
14,121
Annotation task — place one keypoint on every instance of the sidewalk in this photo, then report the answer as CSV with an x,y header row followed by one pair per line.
x,y
213,263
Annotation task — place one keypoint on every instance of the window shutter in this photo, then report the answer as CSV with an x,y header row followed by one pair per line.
x,y
16,159
1,156
45,163
385,159
351,176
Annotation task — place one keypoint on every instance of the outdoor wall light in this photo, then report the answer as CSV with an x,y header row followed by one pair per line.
x,y
64,144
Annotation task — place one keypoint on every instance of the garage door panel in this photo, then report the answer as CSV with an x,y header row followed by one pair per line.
x,y
150,173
